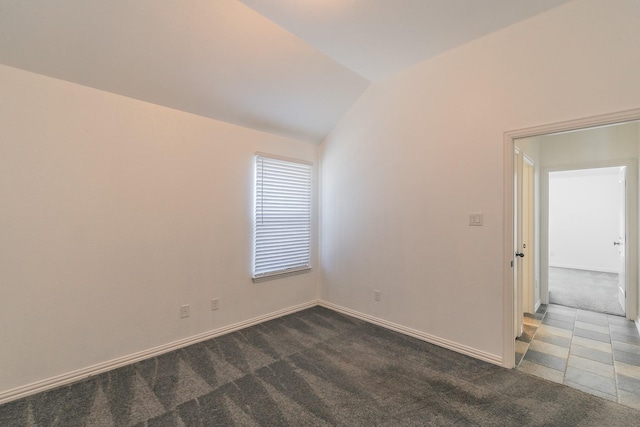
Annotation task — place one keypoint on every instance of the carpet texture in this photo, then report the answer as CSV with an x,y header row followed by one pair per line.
x,y
586,290
314,368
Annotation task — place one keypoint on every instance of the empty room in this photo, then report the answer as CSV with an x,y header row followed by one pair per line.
x,y
278,212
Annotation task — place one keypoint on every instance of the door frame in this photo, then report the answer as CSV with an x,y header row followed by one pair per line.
x,y
529,209
508,356
622,237
523,267
631,219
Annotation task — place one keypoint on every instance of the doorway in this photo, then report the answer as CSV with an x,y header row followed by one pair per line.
x,y
586,237
602,149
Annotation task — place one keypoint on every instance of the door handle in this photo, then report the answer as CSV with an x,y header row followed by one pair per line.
x,y
520,254
616,243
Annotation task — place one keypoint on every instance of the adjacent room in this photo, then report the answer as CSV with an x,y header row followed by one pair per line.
x,y
577,230
271,212
586,229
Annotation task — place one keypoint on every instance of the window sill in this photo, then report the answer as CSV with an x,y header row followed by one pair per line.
x,y
273,276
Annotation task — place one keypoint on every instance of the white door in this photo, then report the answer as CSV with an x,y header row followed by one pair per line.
x,y
527,238
517,244
621,243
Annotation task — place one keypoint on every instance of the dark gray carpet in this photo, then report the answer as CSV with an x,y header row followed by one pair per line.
x,y
586,290
315,368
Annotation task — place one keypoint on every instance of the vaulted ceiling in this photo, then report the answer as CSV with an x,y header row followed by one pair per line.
x,y
289,67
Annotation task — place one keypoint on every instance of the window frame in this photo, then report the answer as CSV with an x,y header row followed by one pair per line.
x,y
290,222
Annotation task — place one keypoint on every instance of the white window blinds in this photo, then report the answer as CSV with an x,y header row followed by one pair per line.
x,y
282,235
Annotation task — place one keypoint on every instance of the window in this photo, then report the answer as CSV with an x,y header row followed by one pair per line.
x,y
282,222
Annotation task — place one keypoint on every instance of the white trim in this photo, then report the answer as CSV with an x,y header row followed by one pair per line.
x,y
583,267
508,295
84,373
441,342
570,125
508,357
283,158
271,276
81,374
637,322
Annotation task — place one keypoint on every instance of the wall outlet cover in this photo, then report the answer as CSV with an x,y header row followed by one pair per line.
x,y
476,219
184,310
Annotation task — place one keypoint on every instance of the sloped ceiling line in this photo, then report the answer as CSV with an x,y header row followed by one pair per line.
x,y
287,67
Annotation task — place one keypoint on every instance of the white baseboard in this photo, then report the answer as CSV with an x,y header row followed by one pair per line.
x,y
584,267
80,374
459,348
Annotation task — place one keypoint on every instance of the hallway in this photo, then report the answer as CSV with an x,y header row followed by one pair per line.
x,y
593,352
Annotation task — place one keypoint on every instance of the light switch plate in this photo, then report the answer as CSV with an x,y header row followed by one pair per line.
x,y
475,218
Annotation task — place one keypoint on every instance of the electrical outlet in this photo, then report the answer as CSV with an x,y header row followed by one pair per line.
x,y
214,303
376,295
184,310
476,218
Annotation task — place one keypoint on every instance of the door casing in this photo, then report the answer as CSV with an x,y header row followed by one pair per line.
x,y
508,356
529,303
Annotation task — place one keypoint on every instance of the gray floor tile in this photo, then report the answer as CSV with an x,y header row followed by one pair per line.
x,y
596,345
528,331
618,320
625,369
554,308
521,347
600,321
547,360
623,346
592,327
592,335
591,391
632,385
557,323
591,354
536,316
552,330
625,329
553,339
595,367
631,400
593,321
604,353
629,339
541,371
588,379
546,348
587,313
532,322
628,358
560,316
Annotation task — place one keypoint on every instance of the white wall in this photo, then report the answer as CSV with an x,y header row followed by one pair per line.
x,y
422,149
584,219
114,213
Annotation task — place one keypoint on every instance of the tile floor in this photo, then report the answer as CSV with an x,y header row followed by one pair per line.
x,y
593,352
